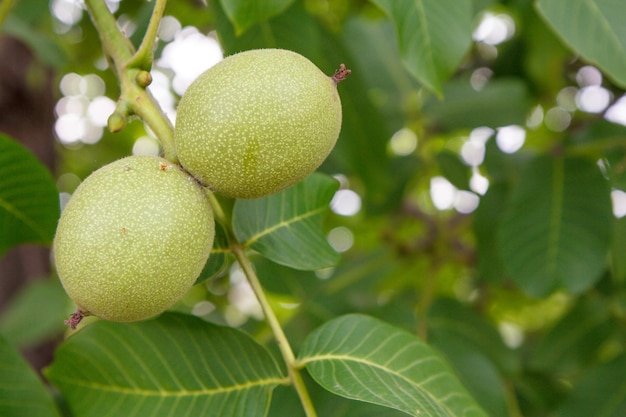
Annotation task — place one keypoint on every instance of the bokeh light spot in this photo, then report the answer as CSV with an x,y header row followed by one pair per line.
x,y
341,239
442,193
593,99
557,119
510,139
346,203
588,75
618,197
403,142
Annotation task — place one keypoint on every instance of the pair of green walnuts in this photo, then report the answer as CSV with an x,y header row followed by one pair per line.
x,y
136,234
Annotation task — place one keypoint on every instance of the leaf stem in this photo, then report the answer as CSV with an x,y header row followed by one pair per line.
x,y
427,296
279,334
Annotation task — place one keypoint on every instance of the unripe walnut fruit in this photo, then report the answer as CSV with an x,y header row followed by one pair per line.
x,y
133,238
258,122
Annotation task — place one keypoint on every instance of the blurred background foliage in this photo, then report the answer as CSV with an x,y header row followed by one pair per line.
x,y
482,182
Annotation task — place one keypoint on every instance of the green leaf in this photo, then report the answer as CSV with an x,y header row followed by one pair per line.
x,y
287,227
448,316
576,339
365,359
23,324
217,259
618,249
29,200
475,350
592,28
433,36
47,49
21,391
600,392
556,230
171,366
477,373
486,222
499,103
279,279
285,403
244,13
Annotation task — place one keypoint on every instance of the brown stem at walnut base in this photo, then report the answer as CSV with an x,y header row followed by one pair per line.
x,y
341,74
75,318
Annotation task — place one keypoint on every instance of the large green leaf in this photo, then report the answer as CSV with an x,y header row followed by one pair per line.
x,y
45,296
449,317
244,13
475,350
29,200
556,230
600,393
285,403
486,221
287,227
21,391
618,249
175,365
433,36
499,103
365,359
592,28
576,339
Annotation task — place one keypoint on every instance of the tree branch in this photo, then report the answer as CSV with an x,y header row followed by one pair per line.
x,y
134,96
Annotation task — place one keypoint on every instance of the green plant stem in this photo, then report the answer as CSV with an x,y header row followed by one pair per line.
x,y
279,334
5,8
219,214
144,56
511,400
119,50
115,45
145,106
426,299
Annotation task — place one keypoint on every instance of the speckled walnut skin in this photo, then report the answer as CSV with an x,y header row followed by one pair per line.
x,y
133,239
257,122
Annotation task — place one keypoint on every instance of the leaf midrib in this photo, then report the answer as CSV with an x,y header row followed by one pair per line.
x,y
346,358
281,224
556,219
28,221
168,393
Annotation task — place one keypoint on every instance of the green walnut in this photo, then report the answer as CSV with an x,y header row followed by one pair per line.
x,y
258,122
133,239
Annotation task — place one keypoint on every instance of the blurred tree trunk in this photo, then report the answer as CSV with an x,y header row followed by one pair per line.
x,y
27,102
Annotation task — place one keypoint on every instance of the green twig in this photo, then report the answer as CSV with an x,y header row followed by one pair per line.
x,y
144,56
115,45
138,99
427,296
279,334
5,8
